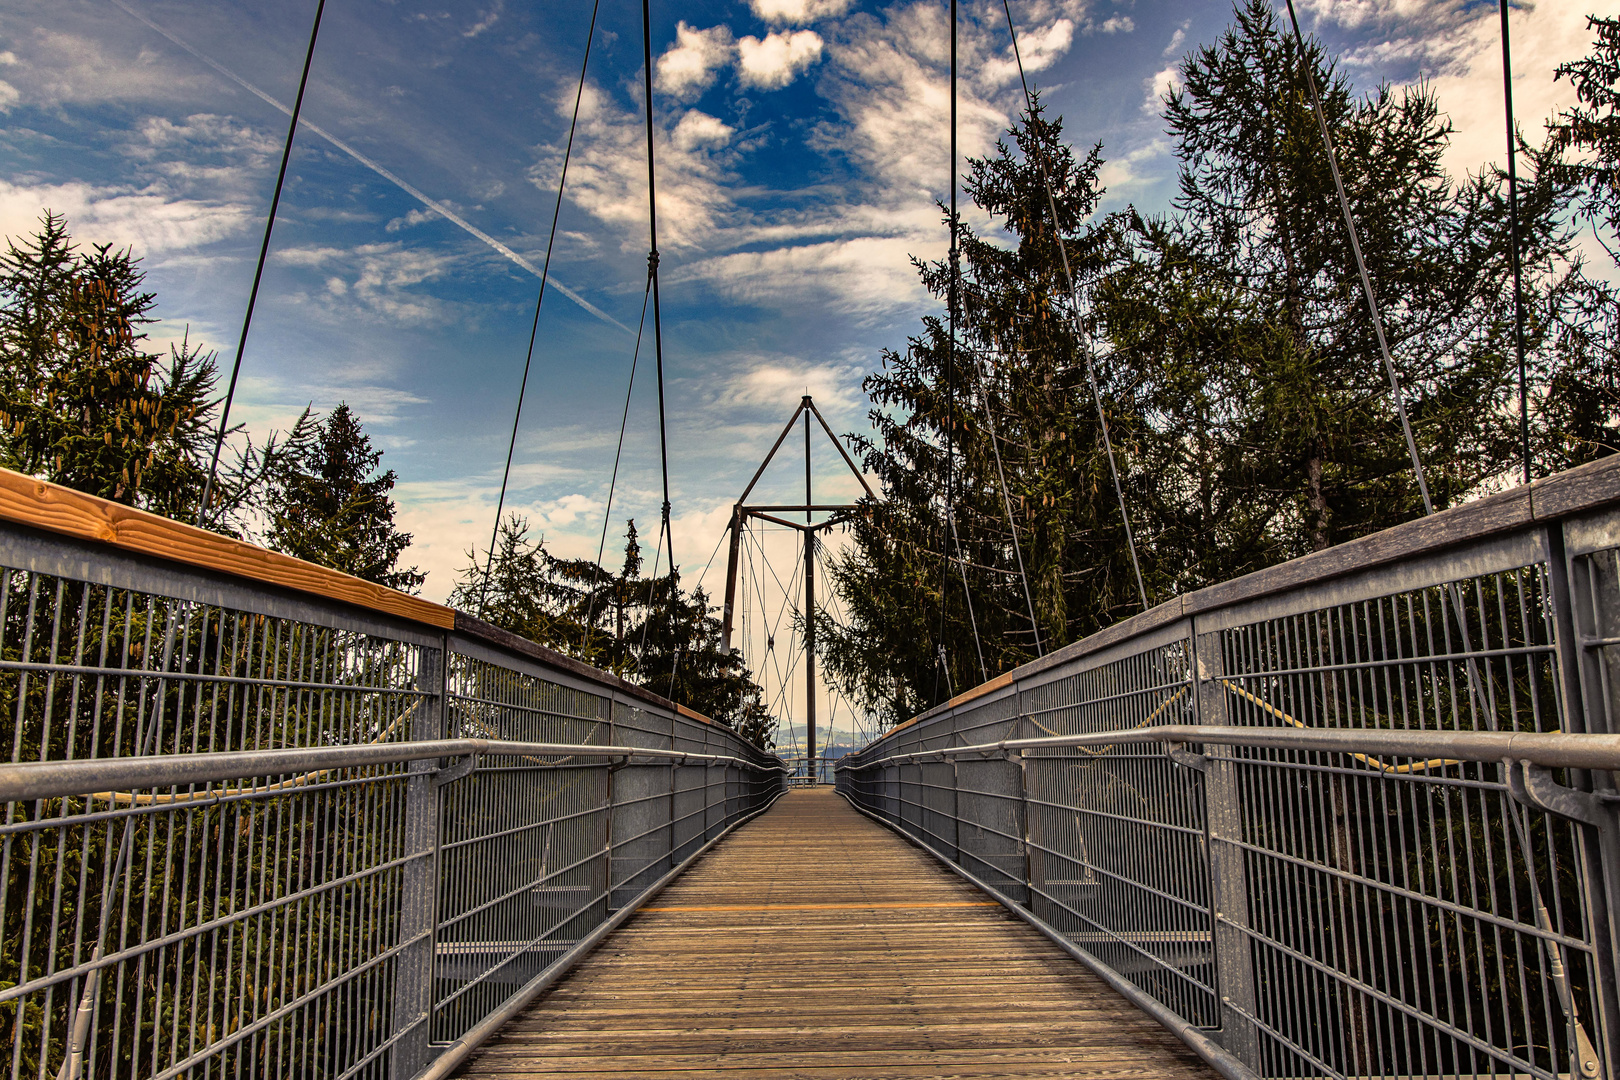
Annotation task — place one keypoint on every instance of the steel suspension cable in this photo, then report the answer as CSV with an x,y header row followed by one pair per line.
x,y
1513,239
764,611
950,382
1012,526
652,587
258,270
1079,325
624,419
1473,678
652,267
534,328
1361,263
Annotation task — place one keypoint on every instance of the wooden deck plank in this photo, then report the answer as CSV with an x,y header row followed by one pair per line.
x,y
815,943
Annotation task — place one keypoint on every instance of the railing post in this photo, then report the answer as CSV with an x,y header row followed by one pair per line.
x,y
1578,613
1228,879
419,884
1023,810
956,804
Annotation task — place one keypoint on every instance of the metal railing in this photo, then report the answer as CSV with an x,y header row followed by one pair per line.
x,y
1352,816
253,831
805,772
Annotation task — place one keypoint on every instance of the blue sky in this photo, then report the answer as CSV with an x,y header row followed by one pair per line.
x,y
801,147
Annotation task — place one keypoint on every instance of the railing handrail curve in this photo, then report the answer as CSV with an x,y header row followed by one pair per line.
x,y
1556,750
29,780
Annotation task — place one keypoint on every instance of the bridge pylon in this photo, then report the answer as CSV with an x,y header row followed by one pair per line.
x,y
837,513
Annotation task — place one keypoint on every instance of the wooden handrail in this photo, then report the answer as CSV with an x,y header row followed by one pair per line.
x,y
59,509
41,504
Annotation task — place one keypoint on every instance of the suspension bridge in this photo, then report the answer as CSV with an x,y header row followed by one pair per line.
x,y
1354,815
1351,816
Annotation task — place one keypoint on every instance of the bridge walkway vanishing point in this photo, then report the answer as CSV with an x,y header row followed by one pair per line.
x,y
816,943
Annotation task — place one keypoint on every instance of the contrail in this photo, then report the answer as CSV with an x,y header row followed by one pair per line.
x,y
436,207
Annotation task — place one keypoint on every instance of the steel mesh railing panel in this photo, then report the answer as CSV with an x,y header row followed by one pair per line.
x,y
1315,911
1405,914
298,920
241,928
1117,843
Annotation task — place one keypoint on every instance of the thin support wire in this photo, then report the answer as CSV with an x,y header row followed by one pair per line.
x,y
624,419
1513,239
652,269
258,270
1012,526
1079,323
950,382
1361,263
652,583
534,328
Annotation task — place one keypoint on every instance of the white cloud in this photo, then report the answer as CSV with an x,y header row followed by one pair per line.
x,y
1177,39
559,513
372,279
772,384
798,11
52,67
1122,172
1114,24
1159,86
772,63
699,129
608,175
148,220
486,20
208,131
411,219
8,96
689,66
864,276
1456,46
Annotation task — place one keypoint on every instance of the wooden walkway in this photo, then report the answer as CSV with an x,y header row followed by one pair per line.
x,y
815,943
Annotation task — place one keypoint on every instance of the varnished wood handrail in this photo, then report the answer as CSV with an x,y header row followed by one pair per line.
x,y
41,504
59,509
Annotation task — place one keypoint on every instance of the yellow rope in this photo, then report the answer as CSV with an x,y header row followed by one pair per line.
x,y
1416,766
1152,716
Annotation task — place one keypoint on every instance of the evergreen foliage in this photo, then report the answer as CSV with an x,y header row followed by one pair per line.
x,y
84,405
327,502
648,630
1582,403
1247,398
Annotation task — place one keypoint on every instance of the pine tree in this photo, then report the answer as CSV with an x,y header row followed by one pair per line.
x,y
1257,229
1581,405
327,502
1592,128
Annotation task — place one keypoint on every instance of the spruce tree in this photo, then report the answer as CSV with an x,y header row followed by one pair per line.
x,y
1581,403
1257,224
327,502
1018,371
84,404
